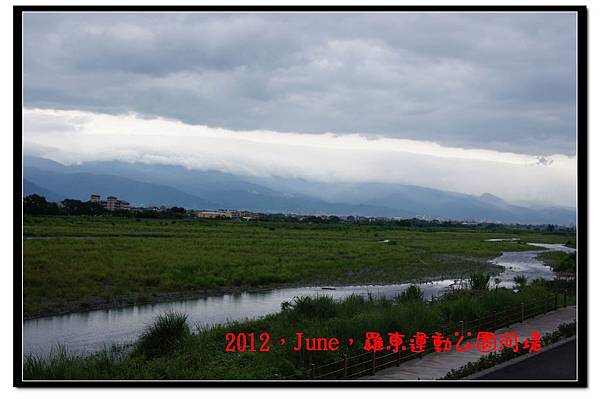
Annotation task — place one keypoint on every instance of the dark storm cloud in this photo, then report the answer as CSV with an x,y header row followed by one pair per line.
x,y
498,81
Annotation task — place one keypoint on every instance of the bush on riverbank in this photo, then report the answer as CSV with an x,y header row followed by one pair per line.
x,y
163,335
479,281
202,355
560,262
412,293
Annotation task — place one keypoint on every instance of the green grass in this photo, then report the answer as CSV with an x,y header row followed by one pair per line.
x,y
163,335
78,263
202,355
560,262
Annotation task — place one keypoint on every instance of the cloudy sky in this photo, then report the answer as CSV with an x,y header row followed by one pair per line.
x,y
470,102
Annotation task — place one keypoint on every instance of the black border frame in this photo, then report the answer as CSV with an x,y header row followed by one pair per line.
x,y
582,199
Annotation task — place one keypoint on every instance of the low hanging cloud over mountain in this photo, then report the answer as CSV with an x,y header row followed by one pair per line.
x,y
79,136
469,102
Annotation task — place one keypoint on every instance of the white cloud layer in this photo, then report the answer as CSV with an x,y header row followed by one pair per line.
x,y
77,136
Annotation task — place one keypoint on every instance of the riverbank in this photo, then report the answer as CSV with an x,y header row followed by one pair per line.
x,y
203,355
79,306
121,262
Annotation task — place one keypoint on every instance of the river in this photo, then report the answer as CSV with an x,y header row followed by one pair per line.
x,y
86,332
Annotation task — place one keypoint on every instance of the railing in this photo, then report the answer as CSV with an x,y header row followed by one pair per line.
x,y
368,363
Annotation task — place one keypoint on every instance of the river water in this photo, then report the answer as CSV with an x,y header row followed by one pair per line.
x,y
91,331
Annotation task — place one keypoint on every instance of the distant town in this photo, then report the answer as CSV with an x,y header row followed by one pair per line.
x,y
113,203
36,204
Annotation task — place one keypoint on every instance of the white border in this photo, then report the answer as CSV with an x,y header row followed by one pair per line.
x,y
6,159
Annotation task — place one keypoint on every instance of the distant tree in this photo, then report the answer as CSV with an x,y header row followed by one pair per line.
x,y
147,214
77,207
37,205
122,212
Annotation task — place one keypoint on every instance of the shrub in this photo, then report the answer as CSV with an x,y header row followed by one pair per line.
x,y
520,281
159,338
479,281
412,293
568,329
497,281
567,264
318,307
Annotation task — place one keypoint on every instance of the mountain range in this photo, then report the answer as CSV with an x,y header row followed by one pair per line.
x,y
152,184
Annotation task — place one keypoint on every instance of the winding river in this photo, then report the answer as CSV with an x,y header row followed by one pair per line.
x,y
90,331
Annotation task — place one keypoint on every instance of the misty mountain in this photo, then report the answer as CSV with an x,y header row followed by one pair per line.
x,y
81,185
199,183
32,188
216,191
278,194
429,202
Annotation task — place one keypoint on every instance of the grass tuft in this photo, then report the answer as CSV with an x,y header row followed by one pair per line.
x,y
319,307
412,293
479,281
520,281
163,335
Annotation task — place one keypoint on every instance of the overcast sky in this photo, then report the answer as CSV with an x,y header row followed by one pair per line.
x,y
504,83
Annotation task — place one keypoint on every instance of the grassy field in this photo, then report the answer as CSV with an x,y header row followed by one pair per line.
x,y
185,354
78,263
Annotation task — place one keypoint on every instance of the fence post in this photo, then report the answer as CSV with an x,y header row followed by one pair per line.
x,y
313,372
565,299
373,364
461,328
522,312
346,367
555,301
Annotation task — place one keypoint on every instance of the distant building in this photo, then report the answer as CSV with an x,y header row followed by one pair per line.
x,y
214,214
122,204
248,215
112,203
226,213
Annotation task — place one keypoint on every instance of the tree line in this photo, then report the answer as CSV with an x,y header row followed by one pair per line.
x,y
35,204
